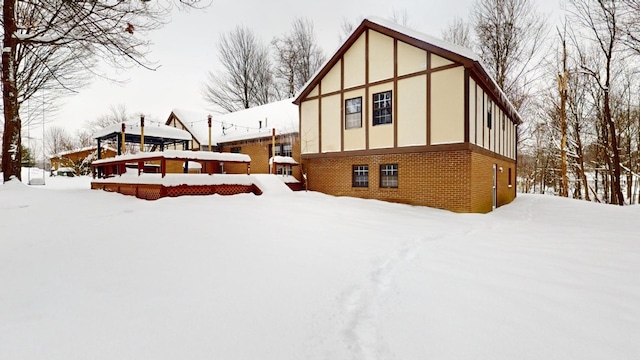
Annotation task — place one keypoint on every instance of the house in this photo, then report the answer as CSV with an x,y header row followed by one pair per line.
x,y
79,159
250,132
400,116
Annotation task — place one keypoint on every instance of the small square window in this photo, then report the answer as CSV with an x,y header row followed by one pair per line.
x,y
353,113
360,175
382,108
389,176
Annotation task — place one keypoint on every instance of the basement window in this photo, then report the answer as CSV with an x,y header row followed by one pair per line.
x,y
389,176
353,113
360,176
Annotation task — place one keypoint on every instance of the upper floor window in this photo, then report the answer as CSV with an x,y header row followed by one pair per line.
x,y
283,149
287,150
236,149
489,112
353,113
382,108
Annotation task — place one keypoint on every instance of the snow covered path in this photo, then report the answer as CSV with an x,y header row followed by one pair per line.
x,y
89,274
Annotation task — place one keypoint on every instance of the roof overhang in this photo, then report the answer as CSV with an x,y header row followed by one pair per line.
x,y
439,47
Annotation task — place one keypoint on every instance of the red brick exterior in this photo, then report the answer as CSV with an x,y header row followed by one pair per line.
x,y
459,180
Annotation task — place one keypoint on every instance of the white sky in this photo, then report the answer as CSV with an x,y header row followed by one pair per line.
x,y
186,50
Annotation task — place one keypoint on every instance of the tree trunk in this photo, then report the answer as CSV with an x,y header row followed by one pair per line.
x,y
616,196
11,141
562,88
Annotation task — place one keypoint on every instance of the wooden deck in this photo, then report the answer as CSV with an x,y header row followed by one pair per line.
x,y
157,191
114,175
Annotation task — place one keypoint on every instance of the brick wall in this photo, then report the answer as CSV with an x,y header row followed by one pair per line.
x,y
481,189
458,180
258,150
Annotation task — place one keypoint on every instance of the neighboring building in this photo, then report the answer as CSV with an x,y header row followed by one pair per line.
x,y
400,116
248,132
79,159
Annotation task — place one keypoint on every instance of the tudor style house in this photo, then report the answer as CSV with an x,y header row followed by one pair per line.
x,y
400,116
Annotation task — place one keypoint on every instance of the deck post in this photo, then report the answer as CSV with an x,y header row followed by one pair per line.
x,y
273,150
121,147
163,166
141,133
209,124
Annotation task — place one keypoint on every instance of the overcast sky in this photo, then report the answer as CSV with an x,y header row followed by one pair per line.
x,y
185,49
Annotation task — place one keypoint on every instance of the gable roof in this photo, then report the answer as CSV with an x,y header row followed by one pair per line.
x,y
154,134
442,48
79,150
245,124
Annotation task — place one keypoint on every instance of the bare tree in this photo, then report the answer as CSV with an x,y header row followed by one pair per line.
x,y
510,36
246,79
298,56
117,114
630,23
458,32
400,17
57,139
599,19
65,34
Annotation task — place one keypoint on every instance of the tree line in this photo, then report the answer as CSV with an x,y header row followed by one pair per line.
x,y
574,84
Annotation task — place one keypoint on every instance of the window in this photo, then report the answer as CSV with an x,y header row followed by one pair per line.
x,y
360,175
236,150
489,106
284,170
382,108
389,175
510,183
353,113
283,149
287,150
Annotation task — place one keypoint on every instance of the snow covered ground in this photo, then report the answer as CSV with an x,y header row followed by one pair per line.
x,y
87,274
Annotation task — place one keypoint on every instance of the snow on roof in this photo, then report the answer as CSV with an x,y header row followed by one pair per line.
x,y
180,154
86,148
243,124
282,160
156,130
445,45
194,165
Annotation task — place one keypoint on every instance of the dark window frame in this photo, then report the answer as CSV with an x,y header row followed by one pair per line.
x,y
346,112
236,150
489,113
280,149
358,171
382,115
389,178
